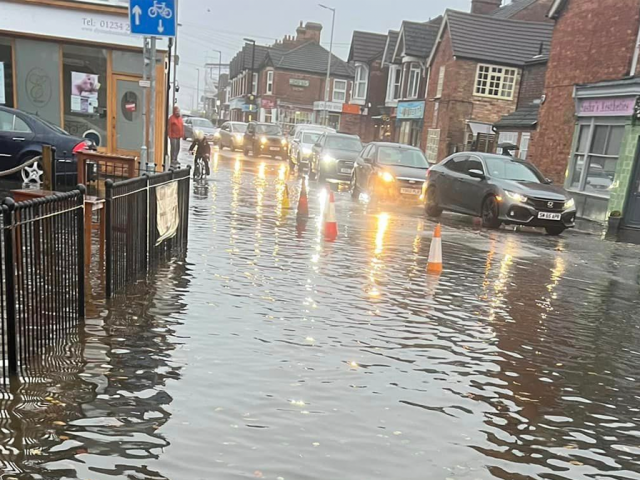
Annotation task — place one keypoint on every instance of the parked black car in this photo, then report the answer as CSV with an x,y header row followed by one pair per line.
x,y
333,156
389,171
22,136
500,189
265,139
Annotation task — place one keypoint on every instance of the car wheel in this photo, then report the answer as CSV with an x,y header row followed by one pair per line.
x,y
355,191
246,151
32,173
490,213
431,207
555,231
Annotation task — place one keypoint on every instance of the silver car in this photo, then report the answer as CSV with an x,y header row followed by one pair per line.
x,y
499,189
301,147
231,136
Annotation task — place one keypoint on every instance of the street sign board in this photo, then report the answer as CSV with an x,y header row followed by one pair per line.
x,y
153,18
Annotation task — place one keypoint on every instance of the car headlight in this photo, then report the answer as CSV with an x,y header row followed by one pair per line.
x,y
216,135
284,142
328,159
386,177
239,137
263,140
570,205
516,197
306,151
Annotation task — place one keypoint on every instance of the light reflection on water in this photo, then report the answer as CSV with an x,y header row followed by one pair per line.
x,y
269,353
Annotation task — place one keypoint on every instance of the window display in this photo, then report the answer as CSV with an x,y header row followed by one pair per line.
x,y
6,73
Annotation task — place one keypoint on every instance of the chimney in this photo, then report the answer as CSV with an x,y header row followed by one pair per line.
x,y
484,7
310,32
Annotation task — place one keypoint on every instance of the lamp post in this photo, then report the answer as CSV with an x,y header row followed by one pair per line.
x,y
328,81
253,66
219,69
197,91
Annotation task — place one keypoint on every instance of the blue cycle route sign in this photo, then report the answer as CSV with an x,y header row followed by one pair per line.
x,y
153,18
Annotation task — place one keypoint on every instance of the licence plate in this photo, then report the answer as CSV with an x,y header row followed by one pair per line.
x,y
345,170
410,191
549,216
273,149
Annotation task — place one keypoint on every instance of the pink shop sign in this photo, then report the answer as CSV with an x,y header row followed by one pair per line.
x,y
607,107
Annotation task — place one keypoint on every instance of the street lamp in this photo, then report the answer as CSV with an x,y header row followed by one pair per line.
x,y
327,86
253,66
197,91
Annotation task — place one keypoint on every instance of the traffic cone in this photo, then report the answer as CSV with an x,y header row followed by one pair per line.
x,y
330,224
286,203
303,203
434,266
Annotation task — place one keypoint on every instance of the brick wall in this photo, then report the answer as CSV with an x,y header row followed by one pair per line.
x,y
537,12
458,102
532,85
593,41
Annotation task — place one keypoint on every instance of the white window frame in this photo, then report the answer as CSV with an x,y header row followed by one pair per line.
x,y
413,87
361,80
525,142
339,91
495,81
394,83
254,85
270,75
441,75
433,144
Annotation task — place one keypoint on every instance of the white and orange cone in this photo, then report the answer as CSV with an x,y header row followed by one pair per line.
x,y
330,223
434,266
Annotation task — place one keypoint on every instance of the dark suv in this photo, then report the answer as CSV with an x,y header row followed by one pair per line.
x,y
265,139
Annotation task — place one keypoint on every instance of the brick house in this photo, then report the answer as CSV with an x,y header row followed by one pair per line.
x,y
588,134
289,81
475,75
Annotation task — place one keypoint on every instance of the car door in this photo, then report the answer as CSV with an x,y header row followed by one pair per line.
x,y
450,184
15,138
368,166
225,135
358,168
472,189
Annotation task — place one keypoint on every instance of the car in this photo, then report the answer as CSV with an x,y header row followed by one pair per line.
x,y
501,190
191,124
265,139
301,146
389,171
231,135
333,157
309,126
22,136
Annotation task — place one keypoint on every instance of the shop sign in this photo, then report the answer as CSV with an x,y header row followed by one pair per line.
x,y
298,82
130,107
236,103
268,104
249,108
351,109
607,107
410,110
328,106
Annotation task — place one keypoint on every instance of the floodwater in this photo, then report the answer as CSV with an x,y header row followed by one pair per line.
x,y
269,353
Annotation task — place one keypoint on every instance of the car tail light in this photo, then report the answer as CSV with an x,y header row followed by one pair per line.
x,y
79,147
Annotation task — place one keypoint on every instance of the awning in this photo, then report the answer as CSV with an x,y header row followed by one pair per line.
x,y
477,127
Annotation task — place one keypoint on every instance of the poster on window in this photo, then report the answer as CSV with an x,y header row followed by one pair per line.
x,y
3,100
84,92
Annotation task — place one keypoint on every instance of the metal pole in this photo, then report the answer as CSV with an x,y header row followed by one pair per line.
x,y
80,254
197,91
328,81
151,159
12,341
165,152
175,63
145,70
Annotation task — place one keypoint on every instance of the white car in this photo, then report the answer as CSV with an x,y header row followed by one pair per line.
x,y
302,142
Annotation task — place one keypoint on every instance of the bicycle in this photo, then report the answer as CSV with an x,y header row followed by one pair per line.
x,y
160,8
200,169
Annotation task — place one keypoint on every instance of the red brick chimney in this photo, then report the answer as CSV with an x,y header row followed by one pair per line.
x,y
484,7
310,32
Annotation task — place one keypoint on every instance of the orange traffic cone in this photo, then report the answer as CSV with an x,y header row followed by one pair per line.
x,y
330,223
303,203
435,254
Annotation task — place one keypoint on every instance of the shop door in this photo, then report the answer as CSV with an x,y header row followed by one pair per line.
x,y
633,207
129,126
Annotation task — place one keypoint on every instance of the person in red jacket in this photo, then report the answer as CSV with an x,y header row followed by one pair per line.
x,y
176,134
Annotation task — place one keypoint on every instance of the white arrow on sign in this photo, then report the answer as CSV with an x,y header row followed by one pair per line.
x,y
160,27
137,11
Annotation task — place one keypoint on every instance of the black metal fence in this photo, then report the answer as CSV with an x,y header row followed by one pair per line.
x,y
42,274
147,221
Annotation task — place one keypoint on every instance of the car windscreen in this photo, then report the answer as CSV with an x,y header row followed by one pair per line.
x,y
202,122
239,127
348,144
269,130
310,138
402,157
506,169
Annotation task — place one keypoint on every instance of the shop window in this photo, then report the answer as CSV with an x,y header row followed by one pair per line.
x,y
6,73
85,92
595,158
334,121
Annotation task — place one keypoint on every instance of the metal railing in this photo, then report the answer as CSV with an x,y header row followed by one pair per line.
x,y
147,221
42,279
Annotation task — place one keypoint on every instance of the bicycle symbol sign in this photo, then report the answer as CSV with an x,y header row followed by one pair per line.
x,y
154,18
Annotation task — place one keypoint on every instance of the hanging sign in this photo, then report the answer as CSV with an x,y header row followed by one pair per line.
x,y
168,213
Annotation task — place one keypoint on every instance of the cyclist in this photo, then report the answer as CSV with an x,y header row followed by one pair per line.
x,y
202,150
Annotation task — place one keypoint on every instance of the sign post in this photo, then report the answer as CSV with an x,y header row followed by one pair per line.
x,y
151,18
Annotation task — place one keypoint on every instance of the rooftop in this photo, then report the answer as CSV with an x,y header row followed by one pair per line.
x,y
367,46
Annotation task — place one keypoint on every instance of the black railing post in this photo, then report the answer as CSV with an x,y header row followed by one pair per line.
x,y
109,236
12,341
81,236
148,246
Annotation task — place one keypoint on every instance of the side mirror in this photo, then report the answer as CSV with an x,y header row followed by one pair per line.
x,y
476,174
368,160
548,181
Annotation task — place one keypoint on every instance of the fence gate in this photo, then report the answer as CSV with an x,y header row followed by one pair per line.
x,y
147,221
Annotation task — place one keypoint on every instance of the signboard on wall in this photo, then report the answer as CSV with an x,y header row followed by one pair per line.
x,y
298,82
411,110
607,107
3,99
328,106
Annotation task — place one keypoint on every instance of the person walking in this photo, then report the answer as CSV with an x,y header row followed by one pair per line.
x,y
176,134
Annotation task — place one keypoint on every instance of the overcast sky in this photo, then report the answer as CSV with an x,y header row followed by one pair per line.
x,y
222,25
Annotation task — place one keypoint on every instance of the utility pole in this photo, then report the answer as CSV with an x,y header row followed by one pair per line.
x,y
151,159
197,91
328,81
253,67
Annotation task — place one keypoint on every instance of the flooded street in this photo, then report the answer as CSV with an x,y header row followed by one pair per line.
x,y
269,353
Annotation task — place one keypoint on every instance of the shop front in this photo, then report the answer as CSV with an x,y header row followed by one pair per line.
x,y
328,113
603,174
409,121
80,72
